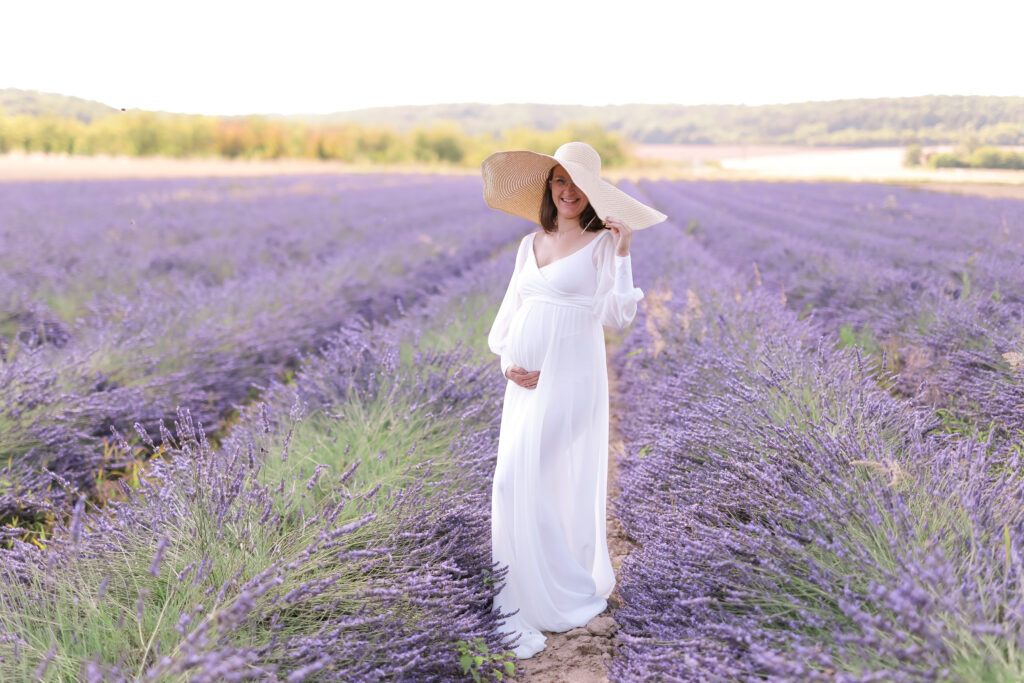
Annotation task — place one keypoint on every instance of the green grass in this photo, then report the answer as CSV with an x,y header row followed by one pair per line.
x,y
9,329
390,437
863,337
466,324
70,305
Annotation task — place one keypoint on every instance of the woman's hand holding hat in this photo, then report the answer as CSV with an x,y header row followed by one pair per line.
x,y
623,235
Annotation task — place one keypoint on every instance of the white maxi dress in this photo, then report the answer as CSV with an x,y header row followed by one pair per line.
x,y
550,480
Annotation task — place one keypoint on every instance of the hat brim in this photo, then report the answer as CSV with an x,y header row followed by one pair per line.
x,y
515,182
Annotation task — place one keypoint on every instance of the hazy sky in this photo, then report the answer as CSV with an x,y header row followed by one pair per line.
x,y
298,56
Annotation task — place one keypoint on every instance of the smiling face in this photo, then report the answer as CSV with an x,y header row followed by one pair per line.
x,y
569,200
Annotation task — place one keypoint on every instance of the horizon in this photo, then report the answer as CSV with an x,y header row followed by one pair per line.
x,y
317,58
524,103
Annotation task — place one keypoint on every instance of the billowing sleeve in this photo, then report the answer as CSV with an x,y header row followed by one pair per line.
x,y
616,298
498,336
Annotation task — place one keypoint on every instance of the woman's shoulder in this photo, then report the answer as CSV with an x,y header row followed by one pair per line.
x,y
527,241
525,245
605,241
604,249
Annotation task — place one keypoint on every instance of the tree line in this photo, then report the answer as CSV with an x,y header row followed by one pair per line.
x,y
142,133
925,120
967,155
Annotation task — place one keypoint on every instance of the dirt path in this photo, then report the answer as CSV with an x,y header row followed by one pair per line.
x,y
581,655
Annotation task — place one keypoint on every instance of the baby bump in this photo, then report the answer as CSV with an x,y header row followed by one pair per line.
x,y
529,338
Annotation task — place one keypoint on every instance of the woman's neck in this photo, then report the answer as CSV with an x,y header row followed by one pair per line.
x,y
567,226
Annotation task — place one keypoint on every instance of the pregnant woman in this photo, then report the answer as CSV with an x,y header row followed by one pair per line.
x,y
570,278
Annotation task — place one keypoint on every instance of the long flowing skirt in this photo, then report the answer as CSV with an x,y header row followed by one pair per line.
x,y
550,482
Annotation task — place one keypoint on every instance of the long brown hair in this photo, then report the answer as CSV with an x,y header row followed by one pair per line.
x,y
549,212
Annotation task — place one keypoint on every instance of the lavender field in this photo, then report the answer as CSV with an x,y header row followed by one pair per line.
x,y
827,443
824,419
123,301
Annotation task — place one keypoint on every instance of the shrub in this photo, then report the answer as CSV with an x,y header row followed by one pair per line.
x,y
912,157
946,160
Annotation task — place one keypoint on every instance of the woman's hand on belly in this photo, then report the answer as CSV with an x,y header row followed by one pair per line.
x,y
525,379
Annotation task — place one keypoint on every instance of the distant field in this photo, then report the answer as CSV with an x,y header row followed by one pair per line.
x,y
701,153
778,162
708,162
64,167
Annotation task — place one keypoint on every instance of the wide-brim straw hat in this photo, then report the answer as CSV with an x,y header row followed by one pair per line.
x,y
515,182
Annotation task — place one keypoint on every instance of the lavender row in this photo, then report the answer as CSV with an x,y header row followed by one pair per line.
x,y
907,245
340,531
69,242
795,521
296,258
931,281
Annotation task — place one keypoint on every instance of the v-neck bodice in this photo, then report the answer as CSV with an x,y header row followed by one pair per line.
x,y
576,274
567,256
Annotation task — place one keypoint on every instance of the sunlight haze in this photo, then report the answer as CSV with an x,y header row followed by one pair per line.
x,y
225,58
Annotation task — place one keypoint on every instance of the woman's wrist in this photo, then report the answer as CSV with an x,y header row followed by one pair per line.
x,y
623,283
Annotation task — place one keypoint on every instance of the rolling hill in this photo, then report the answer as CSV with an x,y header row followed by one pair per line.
x,y
928,119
